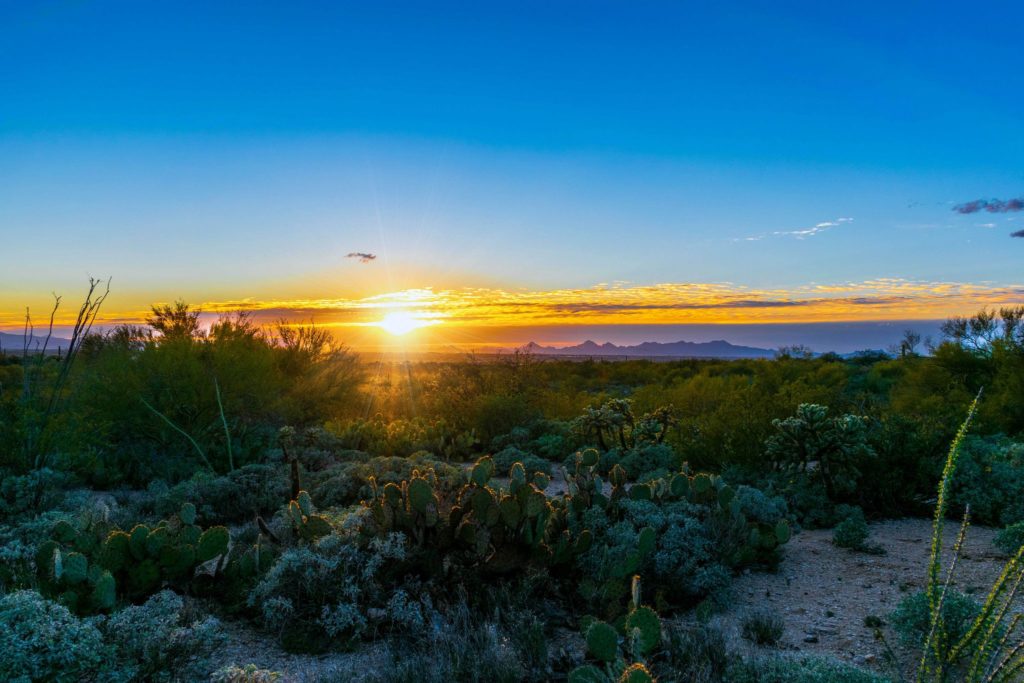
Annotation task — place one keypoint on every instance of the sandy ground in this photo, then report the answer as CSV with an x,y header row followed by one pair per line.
x,y
824,593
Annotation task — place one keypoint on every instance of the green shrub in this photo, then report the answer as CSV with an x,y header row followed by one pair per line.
x,y
989,478
792,669
19,544
332,591
32,493
646,458
852,532
758,506
43,641
461,645
696,654
762,627
911,619
162,640
234,497
349,483
1010,539
504,459
249,673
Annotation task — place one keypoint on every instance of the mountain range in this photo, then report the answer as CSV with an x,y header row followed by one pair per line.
x,y
680,349
14,343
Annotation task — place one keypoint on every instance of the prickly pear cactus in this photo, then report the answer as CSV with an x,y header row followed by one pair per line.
x,y
644,630
307,524
89,569
602,642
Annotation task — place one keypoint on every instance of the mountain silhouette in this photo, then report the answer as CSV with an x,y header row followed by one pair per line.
x,y
680,349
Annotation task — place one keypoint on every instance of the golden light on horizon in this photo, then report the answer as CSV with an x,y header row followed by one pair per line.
x,y
399,323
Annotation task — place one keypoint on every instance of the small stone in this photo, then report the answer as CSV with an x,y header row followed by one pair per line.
x,y
810,638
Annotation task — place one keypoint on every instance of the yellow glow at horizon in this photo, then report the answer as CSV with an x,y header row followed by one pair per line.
x,y
401,312
399,323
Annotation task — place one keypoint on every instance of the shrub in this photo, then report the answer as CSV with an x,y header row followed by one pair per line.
x,y
648,458
696,654
758,506
1010,539
43,641
338,486
763,627
349,483
331,590
461,645
852,531
34,492
504,459
788,669
989,478
162,639
249,673
19,544
911,619
234,497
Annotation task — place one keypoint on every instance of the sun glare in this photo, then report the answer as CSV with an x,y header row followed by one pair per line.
x,y
401,322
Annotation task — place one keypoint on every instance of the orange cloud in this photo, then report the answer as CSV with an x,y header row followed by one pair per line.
x,y
624,303
665,303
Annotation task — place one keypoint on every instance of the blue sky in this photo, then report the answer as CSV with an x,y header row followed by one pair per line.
x,y
224,151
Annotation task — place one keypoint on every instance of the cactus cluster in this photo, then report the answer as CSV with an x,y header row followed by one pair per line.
x,y
88,574
759,541
739,541
308,525
640,635
497,531
65,572
246,564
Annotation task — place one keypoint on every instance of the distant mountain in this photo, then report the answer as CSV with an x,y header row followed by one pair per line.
x,y
680,349
15,343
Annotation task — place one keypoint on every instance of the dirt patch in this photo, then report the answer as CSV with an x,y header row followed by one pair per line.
x,y
824,593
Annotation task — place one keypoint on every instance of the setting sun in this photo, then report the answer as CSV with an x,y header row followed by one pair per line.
x,y
401,322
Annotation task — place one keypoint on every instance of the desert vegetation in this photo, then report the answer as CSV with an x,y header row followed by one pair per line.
x,y
243,503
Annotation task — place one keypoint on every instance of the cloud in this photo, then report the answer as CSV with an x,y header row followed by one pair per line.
x,y
1019,233
814,229
663,303
363,257
625,303
802,233
991,205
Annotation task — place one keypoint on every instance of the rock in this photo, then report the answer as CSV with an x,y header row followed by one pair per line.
x,y
810,638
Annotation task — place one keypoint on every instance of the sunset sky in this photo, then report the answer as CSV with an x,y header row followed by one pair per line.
x,y
488,173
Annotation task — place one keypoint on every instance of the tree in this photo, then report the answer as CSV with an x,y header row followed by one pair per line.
x,y
909,343
985,329
175,321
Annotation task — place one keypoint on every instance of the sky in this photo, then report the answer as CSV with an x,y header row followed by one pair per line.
x,y
485,171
